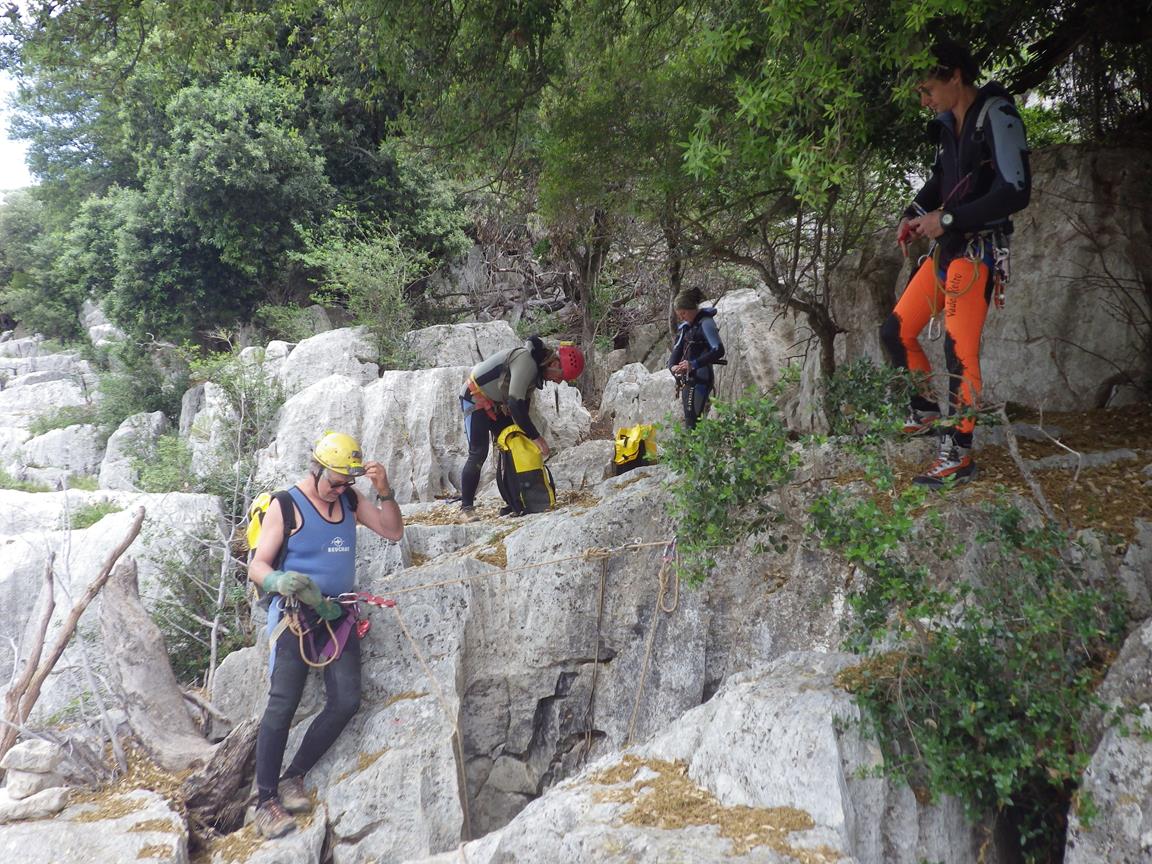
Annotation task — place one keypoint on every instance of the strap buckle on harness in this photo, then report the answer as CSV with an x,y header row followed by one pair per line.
x,y
480,399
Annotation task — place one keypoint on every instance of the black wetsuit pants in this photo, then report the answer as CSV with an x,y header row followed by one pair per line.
x,y
479,429
289,674
694,397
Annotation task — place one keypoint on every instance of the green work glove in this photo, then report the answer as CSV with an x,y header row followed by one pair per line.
x,y
329,610
287,583
310,595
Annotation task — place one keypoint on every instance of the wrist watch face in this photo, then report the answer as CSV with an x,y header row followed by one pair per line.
x,y
946,219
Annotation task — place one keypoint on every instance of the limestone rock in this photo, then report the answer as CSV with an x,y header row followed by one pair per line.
x,y
19,406
460,344
759,337
100,330
25,784
635,395
175,528
132,826
134,438
74,449
774,767
347,352
41,805
582,466
1135,572
35,754
1118,786
332,403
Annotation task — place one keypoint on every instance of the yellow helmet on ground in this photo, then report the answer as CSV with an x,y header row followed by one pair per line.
x,y
340,453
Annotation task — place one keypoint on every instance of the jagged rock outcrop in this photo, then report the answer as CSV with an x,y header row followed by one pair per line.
x,y
33,527
460,344
133,439
52,458
774,768
1112,819
348,352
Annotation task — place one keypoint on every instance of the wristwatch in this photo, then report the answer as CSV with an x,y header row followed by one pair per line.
x,y
380,499
946,219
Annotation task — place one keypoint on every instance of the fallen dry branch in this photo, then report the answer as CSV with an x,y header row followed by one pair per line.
x,y
22,695
1025,472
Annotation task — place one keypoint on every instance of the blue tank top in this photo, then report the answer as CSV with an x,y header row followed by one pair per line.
x,y
323,551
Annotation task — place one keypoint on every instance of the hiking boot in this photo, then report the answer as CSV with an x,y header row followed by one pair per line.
x,y
953,465
294,796
272,820
920,423
468,514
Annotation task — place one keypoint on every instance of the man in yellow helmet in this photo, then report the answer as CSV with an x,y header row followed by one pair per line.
x,y
318,564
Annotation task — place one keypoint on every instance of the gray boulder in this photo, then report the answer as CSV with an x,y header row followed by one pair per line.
x,y
133,439
59,453
635,395
460,344
347,352
130,826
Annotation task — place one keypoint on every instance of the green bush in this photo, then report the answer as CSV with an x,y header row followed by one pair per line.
x,y
166,467
90,514
289,323
7,481
191,597
369,272
866,400
980,690
63,417
137,384
726,468
87,483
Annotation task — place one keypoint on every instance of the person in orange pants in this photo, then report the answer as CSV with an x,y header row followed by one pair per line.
x,y
979,178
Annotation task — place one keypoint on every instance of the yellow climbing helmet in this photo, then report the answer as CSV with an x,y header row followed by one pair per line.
x,y
340,453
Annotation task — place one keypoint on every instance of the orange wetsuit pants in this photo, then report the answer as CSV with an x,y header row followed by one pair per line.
x,y
962,289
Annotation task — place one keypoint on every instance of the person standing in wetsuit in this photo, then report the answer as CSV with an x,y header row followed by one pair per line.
x,y
318,566
980,177
498,394
697,347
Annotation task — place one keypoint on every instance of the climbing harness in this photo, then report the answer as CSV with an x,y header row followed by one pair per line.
x,y
319,654
481,401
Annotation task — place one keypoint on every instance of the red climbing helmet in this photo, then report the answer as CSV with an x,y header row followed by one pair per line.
x,y
571,361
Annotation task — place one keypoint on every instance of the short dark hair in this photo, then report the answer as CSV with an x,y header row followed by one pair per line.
x,y
951,55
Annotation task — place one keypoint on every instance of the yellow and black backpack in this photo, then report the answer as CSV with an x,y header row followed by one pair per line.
x,y
524,480
635,446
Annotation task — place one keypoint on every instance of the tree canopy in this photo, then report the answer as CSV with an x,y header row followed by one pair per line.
x,y
191,154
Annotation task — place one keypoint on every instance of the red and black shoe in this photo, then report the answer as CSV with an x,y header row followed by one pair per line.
x,y
920,423
953,465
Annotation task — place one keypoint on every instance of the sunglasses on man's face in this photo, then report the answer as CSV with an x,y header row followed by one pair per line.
x,y
341,485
